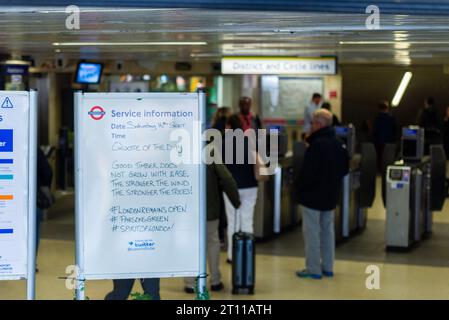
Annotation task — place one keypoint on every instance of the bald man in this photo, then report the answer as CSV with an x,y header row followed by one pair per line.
x,y
325,164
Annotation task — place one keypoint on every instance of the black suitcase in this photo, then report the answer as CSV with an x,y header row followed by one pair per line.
x,y
243,263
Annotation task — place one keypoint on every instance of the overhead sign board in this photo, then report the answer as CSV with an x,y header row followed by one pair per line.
x,y
279,65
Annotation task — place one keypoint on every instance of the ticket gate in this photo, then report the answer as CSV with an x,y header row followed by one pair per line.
x,y
276,210
358,186
414,188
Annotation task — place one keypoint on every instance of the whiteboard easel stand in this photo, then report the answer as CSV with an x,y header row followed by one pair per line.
x,y
78,219
80,277
32,171
202,281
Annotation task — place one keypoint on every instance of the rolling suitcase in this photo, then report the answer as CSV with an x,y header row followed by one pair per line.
x,y
243,262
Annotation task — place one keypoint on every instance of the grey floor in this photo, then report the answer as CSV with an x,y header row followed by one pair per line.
x,y
422,273
366,246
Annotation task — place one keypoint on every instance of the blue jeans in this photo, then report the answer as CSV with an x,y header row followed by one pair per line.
x,y
319,239
123,287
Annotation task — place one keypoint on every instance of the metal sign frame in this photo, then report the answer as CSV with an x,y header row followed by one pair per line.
x,y
31,203
79,191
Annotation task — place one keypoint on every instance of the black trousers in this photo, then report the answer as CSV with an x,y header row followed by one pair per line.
x,y
123,287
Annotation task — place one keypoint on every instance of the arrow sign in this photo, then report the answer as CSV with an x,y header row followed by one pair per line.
x,y
7,103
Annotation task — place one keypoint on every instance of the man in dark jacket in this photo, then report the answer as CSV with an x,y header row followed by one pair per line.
x,y
430,119
325,164
384,130
43,179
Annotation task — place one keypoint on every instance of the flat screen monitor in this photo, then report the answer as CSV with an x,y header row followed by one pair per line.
x,y
88,73
410,132
341,131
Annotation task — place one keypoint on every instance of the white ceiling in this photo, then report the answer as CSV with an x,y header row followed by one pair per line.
x,y
402,39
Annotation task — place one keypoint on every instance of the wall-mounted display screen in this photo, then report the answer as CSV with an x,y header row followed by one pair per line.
x,y
88,73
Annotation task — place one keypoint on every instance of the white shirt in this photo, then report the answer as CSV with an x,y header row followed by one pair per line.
x,y
309,110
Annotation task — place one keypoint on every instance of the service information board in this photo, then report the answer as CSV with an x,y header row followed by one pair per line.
x,y
139,209
14,177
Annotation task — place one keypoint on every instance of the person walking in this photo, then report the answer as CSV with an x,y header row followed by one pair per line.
x,y
219,180
384,130
236,156
430,119
313,105
122,288
248,119
219,121
44,198
446,133
325,164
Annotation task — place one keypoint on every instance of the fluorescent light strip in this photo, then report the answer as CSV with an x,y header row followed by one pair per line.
x,y
401,89
98,44
394,42
205,55
86,10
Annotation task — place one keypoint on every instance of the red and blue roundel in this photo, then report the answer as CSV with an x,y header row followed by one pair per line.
x,y
97,113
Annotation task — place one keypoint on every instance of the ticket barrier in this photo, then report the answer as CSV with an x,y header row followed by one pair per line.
x,y
414,187
358,186
276,210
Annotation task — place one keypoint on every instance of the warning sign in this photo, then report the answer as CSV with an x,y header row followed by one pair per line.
x,y
7,103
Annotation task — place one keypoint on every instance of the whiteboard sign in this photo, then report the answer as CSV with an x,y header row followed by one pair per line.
x,y
14,183
273,65
138,212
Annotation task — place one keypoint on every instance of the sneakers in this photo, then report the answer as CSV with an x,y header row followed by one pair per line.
x,y
214,287
307,275
217,287
328,274
189,290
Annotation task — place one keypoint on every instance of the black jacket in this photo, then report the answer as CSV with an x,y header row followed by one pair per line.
x,y
384,128
243,173
430,119
446,137
220,180
44,172
325,164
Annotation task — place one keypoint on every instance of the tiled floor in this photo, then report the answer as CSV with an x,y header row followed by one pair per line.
x,y
420,274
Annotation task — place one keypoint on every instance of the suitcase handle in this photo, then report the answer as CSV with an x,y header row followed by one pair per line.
x,y
235,222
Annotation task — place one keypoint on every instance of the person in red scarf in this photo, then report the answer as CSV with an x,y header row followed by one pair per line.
x,y
248,119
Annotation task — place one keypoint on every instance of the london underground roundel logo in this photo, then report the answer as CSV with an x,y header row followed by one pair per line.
x,y
97,113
